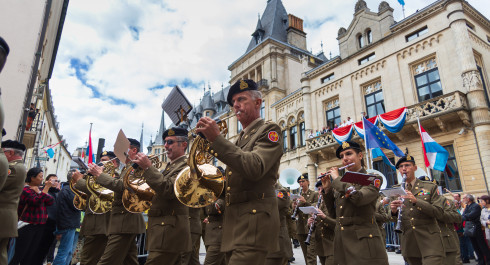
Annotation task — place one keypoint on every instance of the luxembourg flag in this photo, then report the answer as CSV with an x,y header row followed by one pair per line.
x,y
435,156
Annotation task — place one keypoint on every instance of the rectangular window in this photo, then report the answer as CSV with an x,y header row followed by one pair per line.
x,y
449,178
366,59
428,84
470,26
388,172
416,34
375,103
302,133
262,110
484,85
239,126
293,131
328,78
333,117
285,139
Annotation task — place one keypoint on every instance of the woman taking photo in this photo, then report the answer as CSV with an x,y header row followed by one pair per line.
x,y
32,212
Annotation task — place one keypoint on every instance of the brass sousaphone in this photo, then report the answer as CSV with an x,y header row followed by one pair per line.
x,y
200,183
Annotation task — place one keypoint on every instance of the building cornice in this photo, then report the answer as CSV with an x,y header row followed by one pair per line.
x,y
419,16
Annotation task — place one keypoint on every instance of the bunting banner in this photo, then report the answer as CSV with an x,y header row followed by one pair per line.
x,y
343,134
360,128
394,120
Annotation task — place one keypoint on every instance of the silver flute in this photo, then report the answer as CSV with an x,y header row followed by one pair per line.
x,y
398,227
340,168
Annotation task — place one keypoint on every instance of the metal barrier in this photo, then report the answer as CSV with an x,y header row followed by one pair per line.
x,y
141,247
392,237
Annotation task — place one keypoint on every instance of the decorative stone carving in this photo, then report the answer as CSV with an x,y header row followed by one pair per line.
x,y
383,6
332,103
372,87
341,31
360,5
425,66
471,81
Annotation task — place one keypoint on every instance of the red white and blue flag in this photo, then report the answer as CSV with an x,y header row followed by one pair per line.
x,y
90,152
435,156
343,134
394,120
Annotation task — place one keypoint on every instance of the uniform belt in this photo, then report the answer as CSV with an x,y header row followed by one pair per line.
x,y
246,196
163,212
215,218
420,222
355,220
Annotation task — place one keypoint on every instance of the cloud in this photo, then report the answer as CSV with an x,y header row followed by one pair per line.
x,y
116,63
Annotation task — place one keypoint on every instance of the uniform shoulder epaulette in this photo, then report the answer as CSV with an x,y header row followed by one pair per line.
x,y
396,186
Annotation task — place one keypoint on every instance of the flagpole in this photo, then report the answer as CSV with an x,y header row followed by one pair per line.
x,y
420,132
365,144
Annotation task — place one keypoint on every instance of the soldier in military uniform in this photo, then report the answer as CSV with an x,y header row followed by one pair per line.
x,y
192,257
214,232
421,241
10,194
95,227
169,234
308,198
325,231
251,224
4,165
124,226
357,236
285,253
382,217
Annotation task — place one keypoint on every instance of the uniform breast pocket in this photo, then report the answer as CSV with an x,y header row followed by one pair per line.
x,y
254,218
370,242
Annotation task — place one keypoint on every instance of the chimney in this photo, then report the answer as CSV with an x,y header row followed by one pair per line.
x,y
295,34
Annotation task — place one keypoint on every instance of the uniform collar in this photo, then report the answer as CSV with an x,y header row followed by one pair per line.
x,y
251,125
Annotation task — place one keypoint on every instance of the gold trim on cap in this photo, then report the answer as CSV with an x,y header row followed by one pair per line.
x,y
243,84
345,145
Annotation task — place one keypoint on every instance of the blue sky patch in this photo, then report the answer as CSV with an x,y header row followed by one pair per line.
x,y
135,33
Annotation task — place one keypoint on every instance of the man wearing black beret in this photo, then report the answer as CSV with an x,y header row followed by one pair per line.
x,y
252,170
169,231
124,225
10,193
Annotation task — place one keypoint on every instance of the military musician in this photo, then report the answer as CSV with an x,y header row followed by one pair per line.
x,y
251,223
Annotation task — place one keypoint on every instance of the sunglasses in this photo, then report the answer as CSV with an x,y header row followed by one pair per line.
x,y
170,142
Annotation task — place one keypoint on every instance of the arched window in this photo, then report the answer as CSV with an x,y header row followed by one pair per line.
x,y
369,35
360,40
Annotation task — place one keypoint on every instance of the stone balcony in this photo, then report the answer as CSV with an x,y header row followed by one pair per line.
x,y
444,112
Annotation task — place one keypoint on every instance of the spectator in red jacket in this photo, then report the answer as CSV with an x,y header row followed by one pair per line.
x,y
32,211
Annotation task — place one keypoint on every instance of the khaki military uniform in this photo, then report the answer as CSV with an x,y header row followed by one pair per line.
x,y
302,227
251,223
282,256
95,228
192,258
9,201
326,227
4,164
357,236
169,234
214,232
421,241
450,238
123,225
381,215
319,250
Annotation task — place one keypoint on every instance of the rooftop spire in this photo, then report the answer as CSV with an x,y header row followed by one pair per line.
x,y
141,138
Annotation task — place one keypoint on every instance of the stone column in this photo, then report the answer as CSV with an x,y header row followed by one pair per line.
x,y
472,84
312,173
274,67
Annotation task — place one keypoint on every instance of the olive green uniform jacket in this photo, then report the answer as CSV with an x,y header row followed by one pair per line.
x,y
4,166
357,236
283,202
121,221
446,223
93,224
311,198
326,227
251,219
9,198
381,215
168,218
421,235
214,227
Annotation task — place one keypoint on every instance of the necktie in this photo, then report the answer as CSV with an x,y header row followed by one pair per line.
x,y
409,186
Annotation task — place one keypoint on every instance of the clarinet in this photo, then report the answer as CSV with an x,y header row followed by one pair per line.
x,y
398,227
312,227
295,212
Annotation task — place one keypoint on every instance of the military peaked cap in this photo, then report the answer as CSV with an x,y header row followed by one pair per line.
x,y
175,131
347,145
13,145
110,154
405,158
240,86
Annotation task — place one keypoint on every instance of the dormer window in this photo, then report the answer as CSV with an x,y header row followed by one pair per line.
x,y
369,35
360,40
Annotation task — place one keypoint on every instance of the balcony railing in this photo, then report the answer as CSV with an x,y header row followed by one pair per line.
x,y
431,108
263,83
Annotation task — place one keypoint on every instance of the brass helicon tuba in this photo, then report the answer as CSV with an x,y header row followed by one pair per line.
x,y
101,198
137,195
200,183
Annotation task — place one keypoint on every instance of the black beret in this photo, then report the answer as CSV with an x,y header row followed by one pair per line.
x,y
175,131
347,145
4,46
13,145
4,132
302,177
134,142
110,154
405,158
318,184
240,86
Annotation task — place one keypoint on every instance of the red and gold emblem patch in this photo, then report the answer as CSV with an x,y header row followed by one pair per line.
x,y
273,136
280,195
377,183
10,172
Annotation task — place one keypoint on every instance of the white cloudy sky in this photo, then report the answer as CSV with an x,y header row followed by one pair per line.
x,y
118,59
